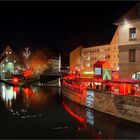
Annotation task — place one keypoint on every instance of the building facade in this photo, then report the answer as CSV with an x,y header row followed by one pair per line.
x,y
84,58
10,63
75,60
123,52
129,43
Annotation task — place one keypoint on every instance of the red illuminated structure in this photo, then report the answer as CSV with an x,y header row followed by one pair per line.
x,y
126,86
15,80
27,73
27,91
16,89
102,70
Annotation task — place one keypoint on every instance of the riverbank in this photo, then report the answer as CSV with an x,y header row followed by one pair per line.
x,y
119,105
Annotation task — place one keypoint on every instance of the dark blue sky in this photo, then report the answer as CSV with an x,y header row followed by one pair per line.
x,y
61,26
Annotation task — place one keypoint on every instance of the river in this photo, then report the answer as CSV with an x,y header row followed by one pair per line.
x,y
42,112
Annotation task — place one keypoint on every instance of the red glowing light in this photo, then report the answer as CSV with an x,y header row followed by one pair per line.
x,y
27,73
15,80
27,91
15,89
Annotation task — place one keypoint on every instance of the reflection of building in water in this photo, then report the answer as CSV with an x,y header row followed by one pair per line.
x,y
8,93
84,116
35,97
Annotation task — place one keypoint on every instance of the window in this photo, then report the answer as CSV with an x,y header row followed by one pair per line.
x,y
132,33
132,55
88,64
114,55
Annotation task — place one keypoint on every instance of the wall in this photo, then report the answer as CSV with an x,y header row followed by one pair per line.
x,y
114,52
128,68
126,107
75,58
121,106
124,33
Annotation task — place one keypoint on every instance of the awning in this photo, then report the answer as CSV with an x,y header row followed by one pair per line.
x,y
125,80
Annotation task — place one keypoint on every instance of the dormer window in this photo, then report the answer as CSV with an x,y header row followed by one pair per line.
x,y
132,33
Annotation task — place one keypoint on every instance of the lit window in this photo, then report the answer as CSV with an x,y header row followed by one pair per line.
x,y
9,52
132,33
6,52
14,61
88,64
6,60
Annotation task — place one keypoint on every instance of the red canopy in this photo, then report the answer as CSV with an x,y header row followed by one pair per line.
x,y
125,80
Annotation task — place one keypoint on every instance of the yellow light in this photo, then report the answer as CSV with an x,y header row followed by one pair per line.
x,y
88,72
125,21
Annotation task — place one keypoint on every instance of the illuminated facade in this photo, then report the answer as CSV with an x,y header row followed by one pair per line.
x,y
75,59
10,63
85,58
123,52
129,43
107,52
55,65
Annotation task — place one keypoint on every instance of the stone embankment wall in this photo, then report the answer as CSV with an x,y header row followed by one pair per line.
x,y
126,107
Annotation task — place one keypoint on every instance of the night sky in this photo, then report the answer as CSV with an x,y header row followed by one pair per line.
x,y
61,26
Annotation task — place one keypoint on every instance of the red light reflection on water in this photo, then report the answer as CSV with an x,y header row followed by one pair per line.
x,y
74,115
27,91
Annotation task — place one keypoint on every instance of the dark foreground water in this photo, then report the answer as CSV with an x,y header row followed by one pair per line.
x,y
42,112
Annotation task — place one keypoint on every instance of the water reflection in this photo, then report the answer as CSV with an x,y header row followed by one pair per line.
x,y
42,112
25,102
85,116
8,94
100,125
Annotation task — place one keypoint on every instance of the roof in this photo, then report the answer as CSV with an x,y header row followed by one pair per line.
x,y
125,80
103,63
132,14
97,44
12,56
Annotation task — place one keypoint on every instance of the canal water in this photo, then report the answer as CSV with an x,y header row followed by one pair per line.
x,y
42,112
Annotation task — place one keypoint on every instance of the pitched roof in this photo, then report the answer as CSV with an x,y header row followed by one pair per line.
x,y
132,14
12,56
103,63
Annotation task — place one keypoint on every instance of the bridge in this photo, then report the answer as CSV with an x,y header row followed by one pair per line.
x,y
43,78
